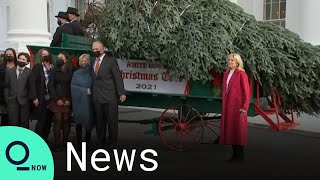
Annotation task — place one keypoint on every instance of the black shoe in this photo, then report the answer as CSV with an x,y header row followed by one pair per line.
x,y
236,159
232,158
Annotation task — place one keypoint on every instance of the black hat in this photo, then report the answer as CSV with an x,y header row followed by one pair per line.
x,y
62,15
72,10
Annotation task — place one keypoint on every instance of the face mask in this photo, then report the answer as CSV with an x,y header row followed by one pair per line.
x,y
21,64
96,53
59,63
59,22
8,58
84,65
46,58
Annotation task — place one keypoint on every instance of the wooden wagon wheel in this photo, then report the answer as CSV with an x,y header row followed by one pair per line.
x,y
211,130
180,127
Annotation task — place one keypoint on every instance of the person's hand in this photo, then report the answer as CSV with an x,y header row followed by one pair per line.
x,y
35,102
88,92
122,98
60,103
67,103
242,112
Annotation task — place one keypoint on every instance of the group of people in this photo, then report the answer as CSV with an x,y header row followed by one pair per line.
x,y
93,93
68,23
54,93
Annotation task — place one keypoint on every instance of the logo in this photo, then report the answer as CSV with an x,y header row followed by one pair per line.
x,y
24,155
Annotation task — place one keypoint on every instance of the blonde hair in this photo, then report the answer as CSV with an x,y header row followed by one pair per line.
x,y
87,56
238,60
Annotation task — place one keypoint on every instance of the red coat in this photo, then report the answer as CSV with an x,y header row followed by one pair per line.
x,y
233,130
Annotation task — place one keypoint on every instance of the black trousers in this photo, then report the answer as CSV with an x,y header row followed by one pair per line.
x,y
4,119
44,117
106,116
18,115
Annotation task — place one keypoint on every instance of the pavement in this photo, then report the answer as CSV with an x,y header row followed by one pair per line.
x,y
269,154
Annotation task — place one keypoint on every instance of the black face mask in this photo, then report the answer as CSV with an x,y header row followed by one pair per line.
x,y
46,58
8,58
59,22
59,63
21,64
96,53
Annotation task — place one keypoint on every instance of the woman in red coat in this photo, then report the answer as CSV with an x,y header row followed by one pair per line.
x,y
235,104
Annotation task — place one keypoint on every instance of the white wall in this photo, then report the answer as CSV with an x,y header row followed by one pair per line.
x,y
303,18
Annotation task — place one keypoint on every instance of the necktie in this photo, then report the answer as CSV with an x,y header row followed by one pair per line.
x,y
97,66
20,71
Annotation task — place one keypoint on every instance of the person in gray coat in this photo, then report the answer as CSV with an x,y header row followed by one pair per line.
x,y
16,93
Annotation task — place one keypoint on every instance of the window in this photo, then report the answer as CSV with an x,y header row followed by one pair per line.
x,y
275,11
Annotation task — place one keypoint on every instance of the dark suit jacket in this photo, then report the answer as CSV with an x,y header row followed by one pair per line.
x,y
76,28
17,88
108,84
37,83
57,37
3,83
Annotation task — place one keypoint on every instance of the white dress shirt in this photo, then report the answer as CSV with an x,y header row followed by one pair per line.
x,y
100,61
229,76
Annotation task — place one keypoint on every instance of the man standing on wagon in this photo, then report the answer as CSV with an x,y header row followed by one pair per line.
x,y
108,90
63,28
73,15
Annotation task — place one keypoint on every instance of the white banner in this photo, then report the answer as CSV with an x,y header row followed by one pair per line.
x,y
143,76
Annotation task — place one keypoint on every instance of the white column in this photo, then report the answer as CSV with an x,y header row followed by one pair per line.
x,y
3,29
302,18
26,23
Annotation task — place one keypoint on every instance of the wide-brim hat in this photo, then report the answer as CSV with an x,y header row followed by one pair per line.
x,y
72,10
63,15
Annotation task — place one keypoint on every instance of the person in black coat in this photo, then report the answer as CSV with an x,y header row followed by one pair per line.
x,y
9,62
73,15
60,95
39,93
63,28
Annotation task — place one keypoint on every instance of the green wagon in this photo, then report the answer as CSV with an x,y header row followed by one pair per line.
x,y
192,109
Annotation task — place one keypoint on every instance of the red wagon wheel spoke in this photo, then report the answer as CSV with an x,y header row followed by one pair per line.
x,y
180,114
172,120
211,128
181,131
192,118
185,119
193,136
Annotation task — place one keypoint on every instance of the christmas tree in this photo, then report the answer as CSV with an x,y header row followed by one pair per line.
x,y
193,37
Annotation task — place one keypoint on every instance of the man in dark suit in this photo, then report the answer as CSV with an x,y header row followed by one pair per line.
x,y
73,15
62,28
108,90
16,94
